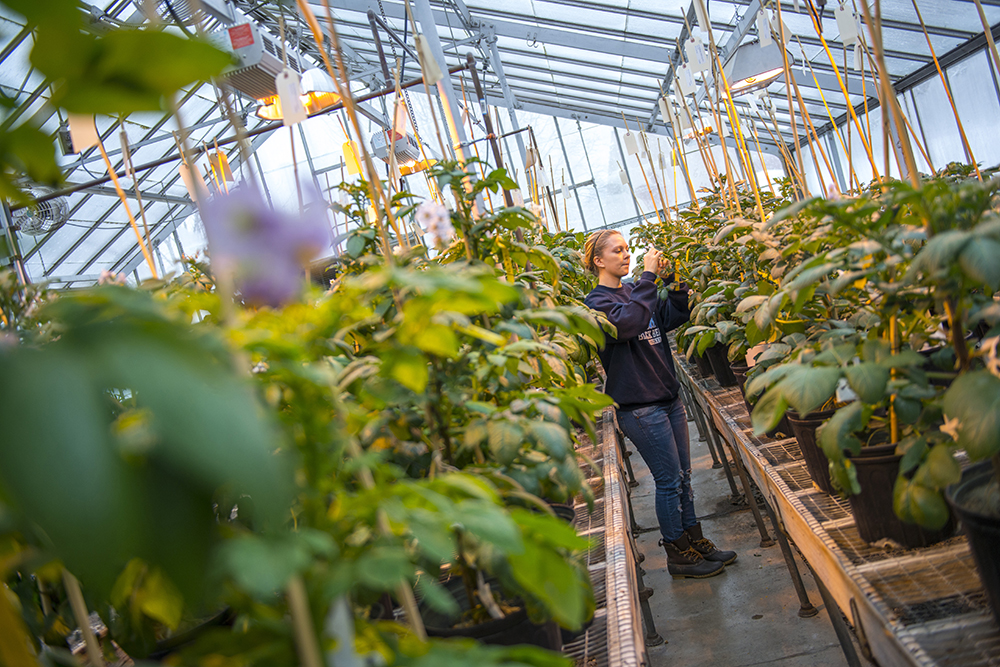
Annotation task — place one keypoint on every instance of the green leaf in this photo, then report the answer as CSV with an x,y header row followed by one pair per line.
x,y
868,381
974,399
939,469
355,245
837,434
980,260
505,439
123,70
410,370
915,503
940,251
435,595
754,334
383,568
768,411
552,437
476,433
260,566
809,388
706,340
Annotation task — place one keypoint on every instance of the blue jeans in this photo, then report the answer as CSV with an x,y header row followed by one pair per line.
x,y
660,434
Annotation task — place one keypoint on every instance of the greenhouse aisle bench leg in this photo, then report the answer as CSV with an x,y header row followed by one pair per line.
x,y
839,625
627,458
735,498
806,608
765,538
653,638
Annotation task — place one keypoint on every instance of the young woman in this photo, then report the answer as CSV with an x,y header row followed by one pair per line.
x,y
642,380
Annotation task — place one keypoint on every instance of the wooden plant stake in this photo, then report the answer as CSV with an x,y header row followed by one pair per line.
x,y
642,170
889,96
947,91
791,107
128,211
652,170
79,607
843,89
988,31
628,180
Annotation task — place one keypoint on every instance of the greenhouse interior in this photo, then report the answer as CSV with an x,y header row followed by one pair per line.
x,y
364,333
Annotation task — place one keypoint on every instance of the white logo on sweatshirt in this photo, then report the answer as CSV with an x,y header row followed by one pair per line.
x,y
652,334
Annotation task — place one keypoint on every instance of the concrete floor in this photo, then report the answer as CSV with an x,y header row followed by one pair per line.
x,y
748,614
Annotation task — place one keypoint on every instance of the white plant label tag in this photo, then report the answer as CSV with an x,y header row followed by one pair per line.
x,y
696,54
664,109
847,24
685,80
290,96
565,191
844,392
631,147
753,103
857,55
82,131
702,14
795,4
764,28
624,176
661,161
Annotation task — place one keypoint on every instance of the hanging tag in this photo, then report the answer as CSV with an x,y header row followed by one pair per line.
x,y
857,55
428,64
400,119
753,104
781,28
661,161
220,165
664,109
517,197
847,24
624,176
723,127
565,191
351,158
702,14
194,182
529,157
290,97
631,148
82,131
683,115
696,54
795,4
764,28
685,80
543,180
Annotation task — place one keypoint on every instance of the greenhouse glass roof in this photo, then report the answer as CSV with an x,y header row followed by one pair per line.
x,y
577,71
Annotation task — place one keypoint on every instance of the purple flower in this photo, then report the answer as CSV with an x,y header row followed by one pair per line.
x,y
265,251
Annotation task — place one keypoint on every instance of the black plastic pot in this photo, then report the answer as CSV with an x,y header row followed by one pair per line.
x,y
740,373
719,359
564,511
804,429
704,367
515,628
982,529
877,468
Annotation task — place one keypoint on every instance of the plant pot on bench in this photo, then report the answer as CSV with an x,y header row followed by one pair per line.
x,y
970,499
877,468
804,429
718,358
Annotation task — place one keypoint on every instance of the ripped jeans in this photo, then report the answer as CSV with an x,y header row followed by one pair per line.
x,y
660,434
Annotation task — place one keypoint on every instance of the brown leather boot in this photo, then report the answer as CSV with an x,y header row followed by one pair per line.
x,y
684,562
704,546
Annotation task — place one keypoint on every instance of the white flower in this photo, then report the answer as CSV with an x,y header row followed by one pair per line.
x,y
951,427
535,209
108,278
989,349
436,221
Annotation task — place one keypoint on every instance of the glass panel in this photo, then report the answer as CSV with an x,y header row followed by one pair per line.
x,y
943,142
973,87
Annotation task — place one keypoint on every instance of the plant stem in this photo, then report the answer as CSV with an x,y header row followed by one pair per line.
x,y
79,606
305,633
951,309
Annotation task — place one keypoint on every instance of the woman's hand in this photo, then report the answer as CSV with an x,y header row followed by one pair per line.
x,y
651,260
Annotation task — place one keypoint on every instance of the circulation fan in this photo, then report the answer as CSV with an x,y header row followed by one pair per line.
x,y
41,217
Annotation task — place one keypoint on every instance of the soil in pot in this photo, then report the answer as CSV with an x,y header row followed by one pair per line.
x,y
877,468
514,628
804,429
718,358
976,501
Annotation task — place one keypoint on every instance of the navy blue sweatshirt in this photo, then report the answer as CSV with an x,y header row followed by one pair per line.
x,y
638,363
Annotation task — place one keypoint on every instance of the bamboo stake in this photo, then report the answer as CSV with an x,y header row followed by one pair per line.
x,y
652,169
988,31
629,181
638,159
947,89
811,128
679,152
552,203
760,156
343,90
833,123
786,152
791,107
79,607
843,89
128,211
130,173
305,634
472,135
875,29
741,146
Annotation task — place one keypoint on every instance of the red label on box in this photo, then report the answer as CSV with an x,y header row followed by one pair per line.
x,y
241,35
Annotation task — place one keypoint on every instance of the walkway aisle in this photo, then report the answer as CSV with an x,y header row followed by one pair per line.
x,y
745,616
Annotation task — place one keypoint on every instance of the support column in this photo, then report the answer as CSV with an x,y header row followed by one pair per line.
x,y
508,95
425,17
572,179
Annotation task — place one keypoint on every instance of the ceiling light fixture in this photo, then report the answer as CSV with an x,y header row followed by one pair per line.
x,y
753,67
